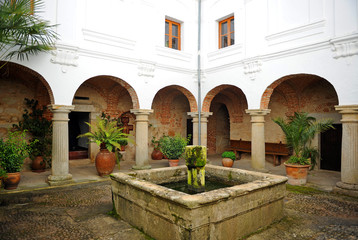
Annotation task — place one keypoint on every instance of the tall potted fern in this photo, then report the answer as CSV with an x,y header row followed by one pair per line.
x,y
299,131
107,135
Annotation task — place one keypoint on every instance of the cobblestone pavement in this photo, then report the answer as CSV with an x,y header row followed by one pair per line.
x,y
82,212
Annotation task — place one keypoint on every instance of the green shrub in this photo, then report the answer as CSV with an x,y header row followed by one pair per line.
x,y
173,147
228,154
13,151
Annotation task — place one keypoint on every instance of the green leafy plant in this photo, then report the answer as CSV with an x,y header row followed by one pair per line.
x,y
2,173
173,147
22,31
156,143
39,128
299,131
105,134
13,151
228,154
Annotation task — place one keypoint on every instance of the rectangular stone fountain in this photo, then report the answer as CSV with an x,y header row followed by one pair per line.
x,y
254,201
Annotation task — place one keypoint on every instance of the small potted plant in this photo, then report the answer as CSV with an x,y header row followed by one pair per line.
x,y
228,158
107,135
156,154
299,131
13,152
173,148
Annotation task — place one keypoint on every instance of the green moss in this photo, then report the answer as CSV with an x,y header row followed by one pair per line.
x,y
176,218
195,156
229,176
301,189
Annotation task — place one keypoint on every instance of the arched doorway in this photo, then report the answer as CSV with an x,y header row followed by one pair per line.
x,y
311,94
229,121
100,95
171,106
17,83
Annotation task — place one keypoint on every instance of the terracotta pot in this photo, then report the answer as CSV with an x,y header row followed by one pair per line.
x,y
157,154
12,180
227,162
38,164
105,162
297,174
173,162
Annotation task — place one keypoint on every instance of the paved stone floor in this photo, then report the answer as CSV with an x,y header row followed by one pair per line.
x,y
81,211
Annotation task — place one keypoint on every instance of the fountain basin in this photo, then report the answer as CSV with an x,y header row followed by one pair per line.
x,y
227,213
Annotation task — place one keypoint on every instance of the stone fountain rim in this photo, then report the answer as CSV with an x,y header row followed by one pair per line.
x,y
265,180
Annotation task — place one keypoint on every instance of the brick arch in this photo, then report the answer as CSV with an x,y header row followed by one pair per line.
x,y
238,97
297,87
291,97
191,99
132,93
32,75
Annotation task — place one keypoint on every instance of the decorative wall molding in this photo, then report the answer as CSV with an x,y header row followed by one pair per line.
x,y
146,68
65,55
297,33
345,46
202,76
102,38
172,53
252,67
225,52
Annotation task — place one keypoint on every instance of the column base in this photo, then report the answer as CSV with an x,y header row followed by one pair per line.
x,y
58,180
346,189
262,170
135,167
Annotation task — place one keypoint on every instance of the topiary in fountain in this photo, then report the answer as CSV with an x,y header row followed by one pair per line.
x,y
195,160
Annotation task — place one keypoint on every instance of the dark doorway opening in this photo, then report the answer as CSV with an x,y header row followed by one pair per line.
x,y
78,147
331,148
189,130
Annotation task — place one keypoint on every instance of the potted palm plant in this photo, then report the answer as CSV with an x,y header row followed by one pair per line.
x,y
107,135
299,131
228,158
13,151
173,148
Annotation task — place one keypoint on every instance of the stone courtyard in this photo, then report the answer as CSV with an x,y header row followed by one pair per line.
x,y
82,211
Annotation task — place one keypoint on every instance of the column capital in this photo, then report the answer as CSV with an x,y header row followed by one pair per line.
x,y
61,108
349,112
142,111
258,112
203,114
258,115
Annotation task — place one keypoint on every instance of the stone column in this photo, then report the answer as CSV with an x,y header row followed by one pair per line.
x,y
195,127
141,138
258,138
349,162
204,127
60,166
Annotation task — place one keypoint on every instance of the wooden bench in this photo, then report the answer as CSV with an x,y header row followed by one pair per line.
x,y
275,149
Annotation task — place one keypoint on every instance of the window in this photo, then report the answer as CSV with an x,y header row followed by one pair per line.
x,y
226,32
172,34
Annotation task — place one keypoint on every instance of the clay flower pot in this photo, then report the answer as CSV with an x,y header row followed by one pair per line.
x,y
105,162
12,180
297,174
173,162
38,164
227,162
157,154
